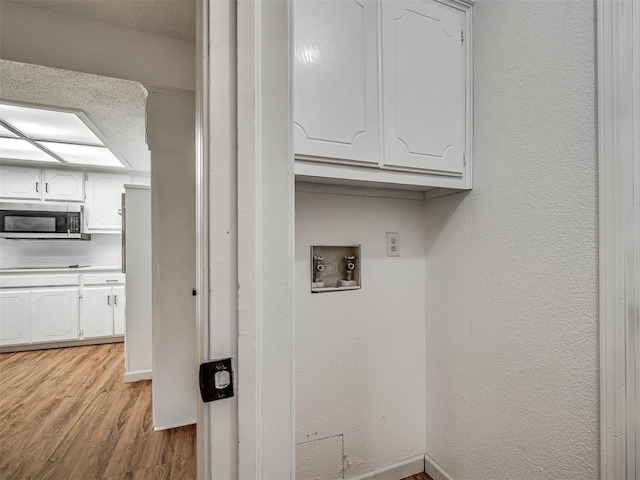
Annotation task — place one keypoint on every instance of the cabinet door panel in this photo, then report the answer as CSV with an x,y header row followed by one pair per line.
x,y
64,185
424,86
97,312
14,317
104,201
335,79
20,183
119,309
54,314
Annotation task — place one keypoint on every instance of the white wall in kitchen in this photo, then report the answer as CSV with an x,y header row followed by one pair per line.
x,y
102,250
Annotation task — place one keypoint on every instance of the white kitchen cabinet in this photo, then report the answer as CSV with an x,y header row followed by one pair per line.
x,y
423,93
423,73
103,311
103,204
21,183
97,312
336,108
63,185
14,317
54,314
119,309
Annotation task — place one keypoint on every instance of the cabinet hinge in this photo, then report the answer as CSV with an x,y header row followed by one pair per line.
x,y
464,159
462,36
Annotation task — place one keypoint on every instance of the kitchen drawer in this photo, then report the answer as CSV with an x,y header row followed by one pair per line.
x,y
12,281
101,278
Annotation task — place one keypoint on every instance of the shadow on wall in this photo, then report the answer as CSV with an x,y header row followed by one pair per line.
x,y
439,217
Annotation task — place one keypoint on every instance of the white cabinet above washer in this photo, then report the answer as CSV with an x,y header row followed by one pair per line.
x,y
335,80
383,93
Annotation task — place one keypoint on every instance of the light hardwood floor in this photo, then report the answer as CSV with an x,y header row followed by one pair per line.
x,y
65,414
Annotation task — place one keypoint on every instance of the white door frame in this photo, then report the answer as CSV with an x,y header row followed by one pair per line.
x,y
618,43
245,239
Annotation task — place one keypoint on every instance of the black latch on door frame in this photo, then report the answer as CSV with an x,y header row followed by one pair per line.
x,y
216,380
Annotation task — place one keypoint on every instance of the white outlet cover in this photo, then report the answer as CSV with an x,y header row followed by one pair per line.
x,y
393,244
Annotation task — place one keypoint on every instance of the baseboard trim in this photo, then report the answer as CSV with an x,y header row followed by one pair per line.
x,y
137,376
190,421
70,343
435,470
399,470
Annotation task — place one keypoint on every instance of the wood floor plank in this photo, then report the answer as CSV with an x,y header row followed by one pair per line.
x,y
67,414
418,476
50,413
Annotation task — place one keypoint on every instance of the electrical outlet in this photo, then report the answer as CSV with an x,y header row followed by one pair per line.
x,y
393,244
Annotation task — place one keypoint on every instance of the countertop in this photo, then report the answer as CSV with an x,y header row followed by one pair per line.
x,y
62,271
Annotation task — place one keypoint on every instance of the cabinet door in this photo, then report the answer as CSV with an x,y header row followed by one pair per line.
x,y
97,312
119,309
20,183
423,73
104,202
54,314
14,317
335,79
64,185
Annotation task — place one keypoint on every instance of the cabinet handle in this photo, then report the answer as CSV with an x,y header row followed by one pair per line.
x,y
37,186
108,299
46,187
115,299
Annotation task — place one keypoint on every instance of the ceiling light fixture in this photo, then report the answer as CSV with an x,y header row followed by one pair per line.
x,y
48,134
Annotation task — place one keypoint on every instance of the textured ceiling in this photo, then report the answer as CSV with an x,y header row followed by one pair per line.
x,y
117,107
173,18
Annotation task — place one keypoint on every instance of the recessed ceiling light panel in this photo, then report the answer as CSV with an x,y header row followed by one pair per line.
x,y
83,154
42,124
7,133
18,149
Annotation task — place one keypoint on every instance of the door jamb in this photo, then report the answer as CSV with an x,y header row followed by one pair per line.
x,y
618,52
249,269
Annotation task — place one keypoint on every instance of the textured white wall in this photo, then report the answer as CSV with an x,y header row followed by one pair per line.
x,y
42,37
512,380
137,344
360,357
173,239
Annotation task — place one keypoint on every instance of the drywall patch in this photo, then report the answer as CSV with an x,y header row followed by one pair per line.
x,y
321,459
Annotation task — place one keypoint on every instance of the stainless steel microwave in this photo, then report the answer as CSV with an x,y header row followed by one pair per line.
x,y
42,221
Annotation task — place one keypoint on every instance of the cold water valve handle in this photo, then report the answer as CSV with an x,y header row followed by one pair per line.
x,y
351,266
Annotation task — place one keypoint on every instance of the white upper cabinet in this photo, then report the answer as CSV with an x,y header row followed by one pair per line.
x,y
335,79
424,86
20,183
63,185
383,93
103,205
26,183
